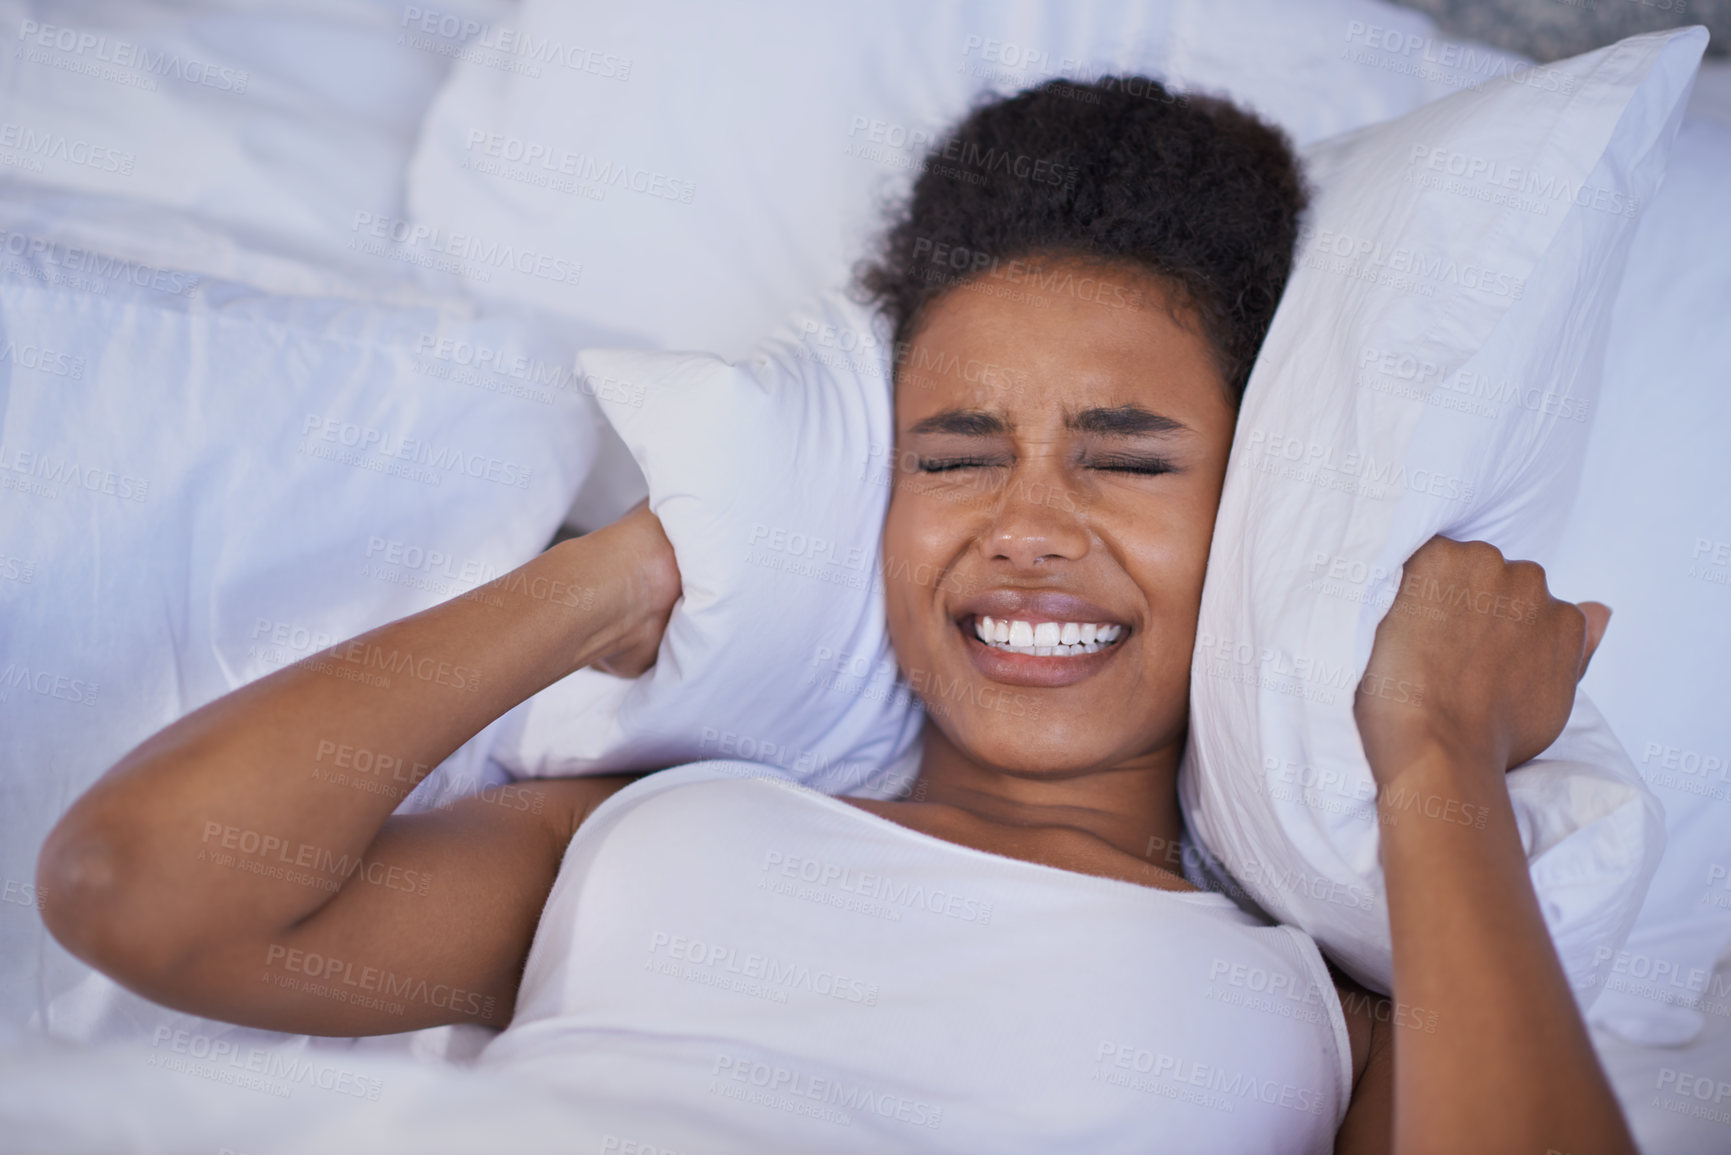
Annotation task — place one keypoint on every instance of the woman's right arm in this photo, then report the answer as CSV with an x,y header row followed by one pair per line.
x,y
244,863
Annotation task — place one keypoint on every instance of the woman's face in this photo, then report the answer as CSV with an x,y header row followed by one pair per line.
x,y
1059,457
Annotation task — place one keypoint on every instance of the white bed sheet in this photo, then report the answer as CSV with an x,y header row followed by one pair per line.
x,y
1677,1099
275,120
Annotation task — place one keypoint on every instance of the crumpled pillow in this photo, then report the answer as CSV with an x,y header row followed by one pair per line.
x,y
771,479
1432,369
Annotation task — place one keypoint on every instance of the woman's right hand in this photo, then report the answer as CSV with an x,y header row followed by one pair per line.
x,y
652,574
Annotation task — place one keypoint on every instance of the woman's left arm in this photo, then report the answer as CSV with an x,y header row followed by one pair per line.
x,y
1473,672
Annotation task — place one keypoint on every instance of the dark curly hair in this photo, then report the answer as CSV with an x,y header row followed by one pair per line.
x,y
1190,188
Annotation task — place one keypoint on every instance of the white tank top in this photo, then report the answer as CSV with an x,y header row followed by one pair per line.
x,y
730,962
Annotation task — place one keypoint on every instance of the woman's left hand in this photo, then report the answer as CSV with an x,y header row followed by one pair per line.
x,y
1473,672
1476,658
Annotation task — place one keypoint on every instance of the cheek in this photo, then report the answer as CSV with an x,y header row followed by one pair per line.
x,y
1191,540
926,524
1170,558
904,559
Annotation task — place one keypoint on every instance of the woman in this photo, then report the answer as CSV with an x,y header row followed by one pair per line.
x,y
721,943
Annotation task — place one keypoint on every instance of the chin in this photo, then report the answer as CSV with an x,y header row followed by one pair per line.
x,y
1032,746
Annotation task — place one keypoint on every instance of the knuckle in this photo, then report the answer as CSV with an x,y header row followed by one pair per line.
x,y
1529,574
1439,554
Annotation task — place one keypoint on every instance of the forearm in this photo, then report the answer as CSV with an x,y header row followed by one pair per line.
x,y
304,765
1506,1063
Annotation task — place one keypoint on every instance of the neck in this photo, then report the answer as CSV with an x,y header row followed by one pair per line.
x,y
1132,805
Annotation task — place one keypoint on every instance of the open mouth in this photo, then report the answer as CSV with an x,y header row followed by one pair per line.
x,y
1045,639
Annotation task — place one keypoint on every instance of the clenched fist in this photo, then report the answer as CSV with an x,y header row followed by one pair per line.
x,y
647,565
1485,658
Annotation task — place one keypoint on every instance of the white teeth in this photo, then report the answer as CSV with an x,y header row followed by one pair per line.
x,y
1046,639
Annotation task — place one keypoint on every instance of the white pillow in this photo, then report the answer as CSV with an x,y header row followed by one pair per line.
x,y
1659,553
197,487
789,121
278,120
770,478
1433,368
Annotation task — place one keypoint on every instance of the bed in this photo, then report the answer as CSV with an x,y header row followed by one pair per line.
x,y
286,356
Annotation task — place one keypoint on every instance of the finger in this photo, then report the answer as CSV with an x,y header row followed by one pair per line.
x,y
1598,616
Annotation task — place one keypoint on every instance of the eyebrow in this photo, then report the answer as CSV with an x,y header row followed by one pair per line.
x,y
1119,421
1122,421
963,422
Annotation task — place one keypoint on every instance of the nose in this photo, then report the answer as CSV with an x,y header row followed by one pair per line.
x,y
1038,519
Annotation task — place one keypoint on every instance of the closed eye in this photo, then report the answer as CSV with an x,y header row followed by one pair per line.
x,y
945,465
1148,466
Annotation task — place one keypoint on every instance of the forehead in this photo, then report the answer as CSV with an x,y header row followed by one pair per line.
x,y
1074,336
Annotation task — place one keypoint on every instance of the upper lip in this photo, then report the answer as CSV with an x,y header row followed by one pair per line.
x,y
1035,606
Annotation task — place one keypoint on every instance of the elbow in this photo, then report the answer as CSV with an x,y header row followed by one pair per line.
x,y
78,875
90,900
